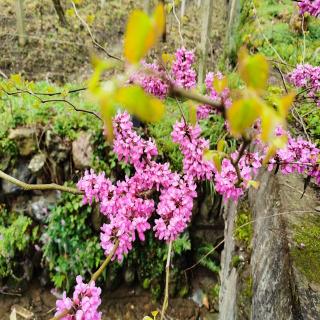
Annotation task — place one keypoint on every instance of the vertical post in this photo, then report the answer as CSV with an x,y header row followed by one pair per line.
x,y
147,6
20,22
199,3
207,8
183,8
164,35
60,13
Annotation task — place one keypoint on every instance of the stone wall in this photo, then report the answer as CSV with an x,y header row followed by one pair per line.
x,y
285,253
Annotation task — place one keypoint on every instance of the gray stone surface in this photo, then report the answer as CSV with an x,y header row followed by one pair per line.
x,y
282,289
82,152
25,139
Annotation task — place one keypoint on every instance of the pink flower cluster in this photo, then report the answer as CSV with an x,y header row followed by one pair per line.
x,y
192,146
126,204
152,80
307,77
183,73
203,111
128,145
310,6
227,182
299,156
156,81
84,303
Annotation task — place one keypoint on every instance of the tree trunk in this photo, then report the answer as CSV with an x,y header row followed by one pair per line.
x,y
20,23
205,34
164,35
147,6
183,8
60,12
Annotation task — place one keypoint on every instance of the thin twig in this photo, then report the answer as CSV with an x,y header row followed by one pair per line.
x,y
179,24
166,292
264,36
91,35
48,186
21,91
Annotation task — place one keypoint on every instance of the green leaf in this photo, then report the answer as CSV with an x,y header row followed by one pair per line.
x,y
137,102
242,114
254,70
139,36
142,33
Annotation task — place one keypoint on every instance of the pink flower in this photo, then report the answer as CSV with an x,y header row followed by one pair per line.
x,y
310,6
84,303
182,71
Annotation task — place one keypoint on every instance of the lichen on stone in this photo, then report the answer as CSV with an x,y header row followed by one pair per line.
x,y
306,249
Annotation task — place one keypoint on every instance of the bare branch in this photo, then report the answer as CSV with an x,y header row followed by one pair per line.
x,y
91,35
27,186
19,91
166,292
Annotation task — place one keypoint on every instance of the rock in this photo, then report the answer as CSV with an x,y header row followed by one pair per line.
x,y
4,161
37,162
37,206
57,147
129,275
25,139
22,312
82,152
20,172
197,297
96,218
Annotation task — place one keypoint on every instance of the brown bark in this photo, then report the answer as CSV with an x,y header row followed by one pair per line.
x,y
60,12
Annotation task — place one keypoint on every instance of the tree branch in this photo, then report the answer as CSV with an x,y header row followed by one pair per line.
x,y
21,91
27,186
182,93
91,35
166,292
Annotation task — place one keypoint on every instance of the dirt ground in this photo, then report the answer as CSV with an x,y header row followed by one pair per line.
x,y
125,303
59,54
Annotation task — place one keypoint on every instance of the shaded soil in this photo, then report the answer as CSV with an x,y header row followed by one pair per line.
x,y
125,303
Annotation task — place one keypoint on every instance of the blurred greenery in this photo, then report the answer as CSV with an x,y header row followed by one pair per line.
x,y
16,235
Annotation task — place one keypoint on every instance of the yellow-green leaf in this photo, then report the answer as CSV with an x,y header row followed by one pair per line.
x,y
221,145
107,112
192,112
254,70
220,84
16,79
285,104
137,102
254,184
242,114
159,20
217,161
139,36
154,313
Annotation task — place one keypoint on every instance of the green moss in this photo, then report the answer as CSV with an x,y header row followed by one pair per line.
x,y
235,261
306,251
243,228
